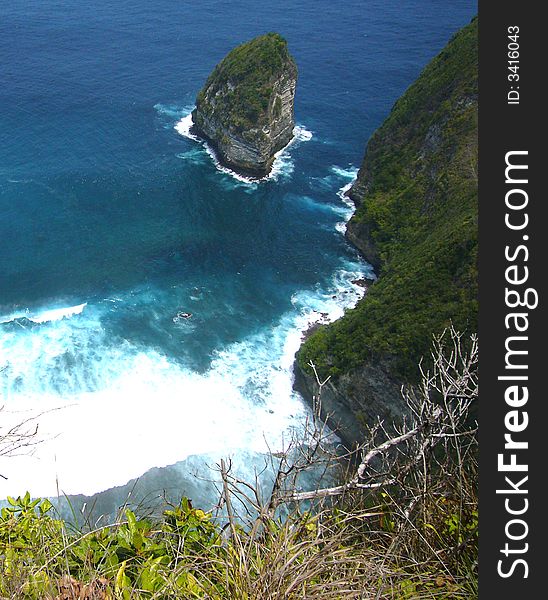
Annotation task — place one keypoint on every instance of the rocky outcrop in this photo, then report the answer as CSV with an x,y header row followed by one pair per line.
x,y
358,234
416,223
246,108
356,399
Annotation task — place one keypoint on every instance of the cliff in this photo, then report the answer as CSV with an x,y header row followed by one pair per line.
x,y
245,109
416,222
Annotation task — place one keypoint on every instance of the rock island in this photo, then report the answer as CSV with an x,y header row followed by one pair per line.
x,y
245,110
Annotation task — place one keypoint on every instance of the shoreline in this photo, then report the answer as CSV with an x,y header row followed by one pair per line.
x,y
186,127
252,175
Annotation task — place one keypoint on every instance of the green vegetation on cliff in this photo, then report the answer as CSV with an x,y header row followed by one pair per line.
x,y
245,77
417,202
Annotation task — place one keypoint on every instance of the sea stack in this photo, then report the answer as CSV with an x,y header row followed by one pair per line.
x,y
246,108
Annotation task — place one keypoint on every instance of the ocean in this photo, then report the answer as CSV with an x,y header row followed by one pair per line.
x,y
114,222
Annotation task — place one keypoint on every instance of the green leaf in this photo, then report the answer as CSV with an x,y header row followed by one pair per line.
x,y
132,521
45,506
123,583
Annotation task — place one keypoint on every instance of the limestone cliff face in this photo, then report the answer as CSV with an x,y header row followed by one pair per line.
x,y
356,399
246,108
416,222
359,234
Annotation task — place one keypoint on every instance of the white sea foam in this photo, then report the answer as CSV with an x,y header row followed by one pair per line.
x,y
282,166
345,174
56,314
143,411
342,194
196,155
170,111
341,227
43,316
348,173
317,205
111,412
329,182
185,125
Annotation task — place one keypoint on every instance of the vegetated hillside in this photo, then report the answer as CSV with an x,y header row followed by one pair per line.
x,y
416,222
249,69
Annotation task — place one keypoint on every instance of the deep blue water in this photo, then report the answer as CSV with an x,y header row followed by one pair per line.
x,y
111,222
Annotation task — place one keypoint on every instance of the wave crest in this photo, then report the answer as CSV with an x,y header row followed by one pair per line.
x,y
44,316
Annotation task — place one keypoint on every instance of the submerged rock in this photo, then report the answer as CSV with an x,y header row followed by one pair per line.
x,y
245,109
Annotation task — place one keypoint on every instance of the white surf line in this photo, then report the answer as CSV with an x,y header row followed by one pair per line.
x,y
54,314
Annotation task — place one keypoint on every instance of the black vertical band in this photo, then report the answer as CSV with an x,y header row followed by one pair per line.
x,y
512,268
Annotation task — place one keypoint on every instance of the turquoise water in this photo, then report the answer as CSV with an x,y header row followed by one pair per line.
x,y
113,222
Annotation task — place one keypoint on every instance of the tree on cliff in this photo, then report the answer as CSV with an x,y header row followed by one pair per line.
x,y
414,488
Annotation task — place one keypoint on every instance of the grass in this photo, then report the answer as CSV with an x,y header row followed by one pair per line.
x,y
351,551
